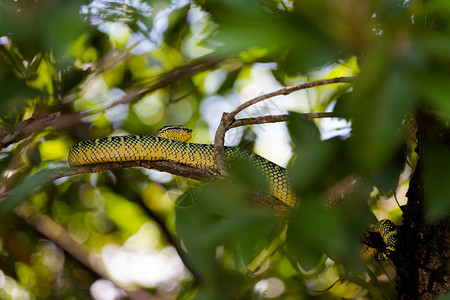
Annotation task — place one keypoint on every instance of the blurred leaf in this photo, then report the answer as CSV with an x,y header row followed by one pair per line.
x,y
125,214
53,150
240,30
247,175
436,44
22,191
436,176
386,179
219,215
343,102
380,104
55,25
14,89
315,230
14,94
312,155
70,79
229,81
435,91
445,296
177,27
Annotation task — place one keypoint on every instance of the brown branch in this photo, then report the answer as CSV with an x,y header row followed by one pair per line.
x,y
39,122
277,118
229,118
288,90
258,120
47,226
280,209
163,166
137,93
61,237
26,128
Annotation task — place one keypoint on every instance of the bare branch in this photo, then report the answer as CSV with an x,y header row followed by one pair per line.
x,y
228,119
258,120
288,90
277,118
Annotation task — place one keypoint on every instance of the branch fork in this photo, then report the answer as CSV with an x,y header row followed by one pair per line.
x,y
229,121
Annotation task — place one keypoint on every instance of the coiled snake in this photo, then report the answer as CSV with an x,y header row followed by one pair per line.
x,y
170,144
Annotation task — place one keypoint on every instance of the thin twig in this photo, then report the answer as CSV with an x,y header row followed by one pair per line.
x,y
288,90
229,118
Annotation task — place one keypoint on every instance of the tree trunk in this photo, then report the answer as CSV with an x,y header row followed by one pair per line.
x,y
422,262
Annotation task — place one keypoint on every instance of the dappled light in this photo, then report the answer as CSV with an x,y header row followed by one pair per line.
x,y
297,130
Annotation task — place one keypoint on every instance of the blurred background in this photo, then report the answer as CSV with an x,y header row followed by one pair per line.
x,y
76,70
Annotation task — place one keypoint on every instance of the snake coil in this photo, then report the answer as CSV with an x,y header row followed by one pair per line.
x,y
170,144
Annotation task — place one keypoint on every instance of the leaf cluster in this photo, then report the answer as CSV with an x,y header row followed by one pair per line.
x,y
80,70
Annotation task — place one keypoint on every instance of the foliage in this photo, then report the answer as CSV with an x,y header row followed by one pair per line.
x,y
70,71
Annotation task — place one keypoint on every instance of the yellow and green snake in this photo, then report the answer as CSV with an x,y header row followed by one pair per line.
x,y
170,144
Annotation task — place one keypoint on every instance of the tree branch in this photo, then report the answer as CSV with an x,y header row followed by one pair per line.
x,y
277,118
163,166
228,119
279,207
134,94
26,128
38,122
288,90
61,237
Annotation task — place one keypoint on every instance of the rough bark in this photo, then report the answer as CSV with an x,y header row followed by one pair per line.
x,y
422,263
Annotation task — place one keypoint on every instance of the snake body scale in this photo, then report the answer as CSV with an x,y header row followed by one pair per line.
x,y
170,144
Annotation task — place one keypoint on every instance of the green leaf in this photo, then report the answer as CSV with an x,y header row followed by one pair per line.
x,y
381,101
14,90
315,230
177,26
247,175
443,297
219,215
435,44
29,186
312,154
435,92
286,36
436,179
229,81
54,26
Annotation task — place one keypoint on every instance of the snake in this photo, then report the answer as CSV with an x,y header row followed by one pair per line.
x,y
170,143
